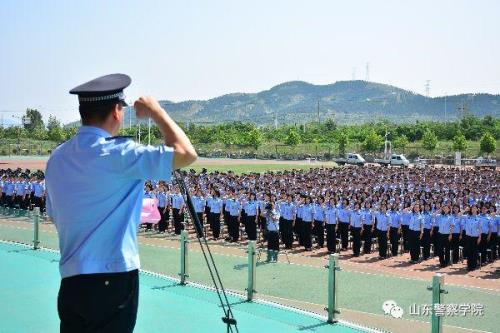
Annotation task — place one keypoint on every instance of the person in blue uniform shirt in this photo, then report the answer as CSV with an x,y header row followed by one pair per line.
x,y
343,214
444,221
356,225
456,233
472,226
215,205
319,221
234,217
289,211
405,220
272,224
486,226
251,208
395,229
163,207
331,225
427,234
415,232
199,204
95,187
307,220
178,206
368,226
383,220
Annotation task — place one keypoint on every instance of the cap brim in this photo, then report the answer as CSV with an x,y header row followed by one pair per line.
x,y
124,103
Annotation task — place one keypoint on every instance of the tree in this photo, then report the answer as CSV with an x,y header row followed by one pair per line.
x,y
343,141
372,142
55,132
35,118
429,140
293,138
459,142
488,144
401,142
254,138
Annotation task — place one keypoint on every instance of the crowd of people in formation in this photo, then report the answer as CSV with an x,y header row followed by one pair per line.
x,y
448,212
22,189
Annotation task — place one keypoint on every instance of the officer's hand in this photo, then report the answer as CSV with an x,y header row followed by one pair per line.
x,y
146,106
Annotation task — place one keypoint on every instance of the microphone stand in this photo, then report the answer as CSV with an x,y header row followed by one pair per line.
x,y
228,318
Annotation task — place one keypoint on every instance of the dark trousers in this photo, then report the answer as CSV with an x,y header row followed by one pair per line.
x,y
425,242
307,238
178,219
382,243
471,243
463,244
367,237
493,246
234,228
331,237
281,227
9,202
404,231
455,253
99,302
483,246
435,238
298,229
414,242
443,249
344,234
394,237
163,224
214,219
251,228
356,241
273,241
288,233
319,232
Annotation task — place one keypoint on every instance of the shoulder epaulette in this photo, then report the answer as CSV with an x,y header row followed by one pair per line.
x,y
119,137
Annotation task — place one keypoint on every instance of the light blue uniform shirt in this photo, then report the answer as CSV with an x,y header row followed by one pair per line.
x,y
9,189
343,213
162,199
416,221
331,215
473,226
288,211
272,220
444,223
428,220
367,216
395,218
307,213
383,220
318,213
356,218
39,188
485,223
457,224
215,205
177,200
251,208
198,203
405,218
234,208
94,196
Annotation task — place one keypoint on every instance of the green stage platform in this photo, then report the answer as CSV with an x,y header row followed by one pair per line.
x,y
29,282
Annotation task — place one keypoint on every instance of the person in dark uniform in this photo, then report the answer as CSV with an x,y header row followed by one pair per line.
x,y
96,205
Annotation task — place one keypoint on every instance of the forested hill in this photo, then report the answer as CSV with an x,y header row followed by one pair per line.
x,y
348,102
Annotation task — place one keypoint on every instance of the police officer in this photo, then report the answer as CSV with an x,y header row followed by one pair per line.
x,y
343,214
415,232
215,206
307,219
199,204
382,219
444,221
395,229
331,225
368,226
97,219
288,216
178,210
319,221
273,239
251,209
163,207
356,225
472,226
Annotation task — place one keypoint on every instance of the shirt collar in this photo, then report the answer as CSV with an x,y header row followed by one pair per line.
x,y
93,130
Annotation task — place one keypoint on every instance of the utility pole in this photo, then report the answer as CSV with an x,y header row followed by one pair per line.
x,y
367,71
319,120
427,87
445,107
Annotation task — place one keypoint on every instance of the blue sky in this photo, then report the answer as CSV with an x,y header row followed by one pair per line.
x,y
202,49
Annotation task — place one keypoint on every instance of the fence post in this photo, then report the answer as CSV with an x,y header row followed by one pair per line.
x,y
437,299
36,220
251,270
332,287
184,257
